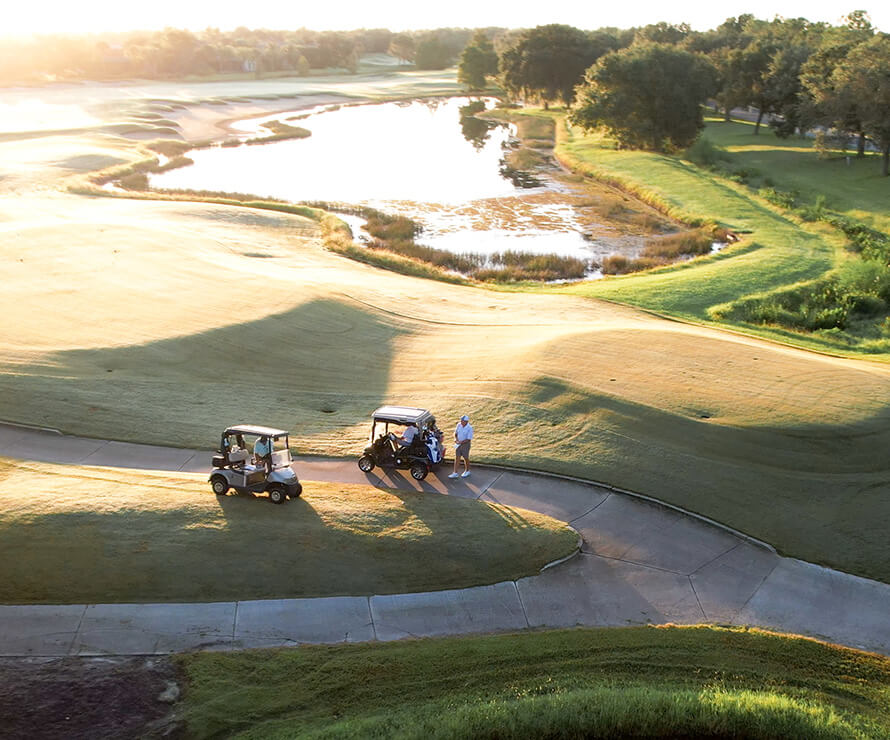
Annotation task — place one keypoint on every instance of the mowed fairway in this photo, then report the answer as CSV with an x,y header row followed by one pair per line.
x,y
162,322
97,535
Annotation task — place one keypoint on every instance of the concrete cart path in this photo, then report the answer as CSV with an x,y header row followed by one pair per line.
x,y
640,563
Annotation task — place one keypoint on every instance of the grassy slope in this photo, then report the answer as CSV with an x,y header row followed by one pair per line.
x,y
665,682
93,535
161,322
775,250
202,315
855,189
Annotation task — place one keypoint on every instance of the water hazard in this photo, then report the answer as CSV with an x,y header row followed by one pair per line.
x,y
427,160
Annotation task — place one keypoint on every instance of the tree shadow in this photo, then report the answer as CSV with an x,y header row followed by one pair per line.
x,y
321,364
817,491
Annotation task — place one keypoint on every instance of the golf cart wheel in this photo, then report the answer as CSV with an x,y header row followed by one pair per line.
x,y
298,489
366,463
419,470
277,495
220,485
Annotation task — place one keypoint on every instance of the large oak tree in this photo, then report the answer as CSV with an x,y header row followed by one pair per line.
x,y
864,77
647,96
547,62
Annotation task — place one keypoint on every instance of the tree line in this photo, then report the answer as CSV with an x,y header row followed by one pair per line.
x,y
646,85
175,53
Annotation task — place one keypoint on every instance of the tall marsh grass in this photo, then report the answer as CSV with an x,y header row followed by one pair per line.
x,y
665,250
396,235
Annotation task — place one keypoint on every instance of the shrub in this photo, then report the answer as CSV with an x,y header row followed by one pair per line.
x,y
815,211
705,153
169,147
781,198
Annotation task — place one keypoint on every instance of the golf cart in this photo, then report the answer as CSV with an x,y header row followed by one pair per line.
x,y
423,453
235,466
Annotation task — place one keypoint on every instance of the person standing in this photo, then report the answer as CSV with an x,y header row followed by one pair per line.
x,y
463,435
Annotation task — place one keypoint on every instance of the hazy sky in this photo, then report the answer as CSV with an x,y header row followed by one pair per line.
x,y
114,15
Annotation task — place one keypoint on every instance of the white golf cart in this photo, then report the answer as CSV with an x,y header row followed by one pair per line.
x,y
235,466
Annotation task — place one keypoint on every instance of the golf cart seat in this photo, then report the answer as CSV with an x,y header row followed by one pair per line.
x,y
239,457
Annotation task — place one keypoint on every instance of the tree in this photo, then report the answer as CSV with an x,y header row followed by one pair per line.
x,y
723,46
822,103
432,53
784,89
647,96
864,78
664,33
402,47
478,60
546,63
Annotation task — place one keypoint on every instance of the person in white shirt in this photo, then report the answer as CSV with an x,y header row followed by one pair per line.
x,y
463,435
262,451
407,436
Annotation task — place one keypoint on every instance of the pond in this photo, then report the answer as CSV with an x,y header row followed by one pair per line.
x,y
421,159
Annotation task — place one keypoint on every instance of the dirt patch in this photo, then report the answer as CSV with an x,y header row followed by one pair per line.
x,y
92,698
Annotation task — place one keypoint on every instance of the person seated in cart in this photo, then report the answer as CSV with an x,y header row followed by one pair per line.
x,y
262,451
418,448
407,438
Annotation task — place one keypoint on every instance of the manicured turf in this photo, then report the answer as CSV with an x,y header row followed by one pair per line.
x,y
775,250
639,682
855,188
94,535
163,322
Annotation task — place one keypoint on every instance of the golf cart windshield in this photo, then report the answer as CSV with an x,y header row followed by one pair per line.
x,y
246,436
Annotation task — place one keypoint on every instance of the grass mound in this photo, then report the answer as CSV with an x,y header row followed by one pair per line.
x,y
641,682
97,535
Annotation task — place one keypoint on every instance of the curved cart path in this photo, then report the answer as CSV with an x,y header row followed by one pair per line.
x,y
640,562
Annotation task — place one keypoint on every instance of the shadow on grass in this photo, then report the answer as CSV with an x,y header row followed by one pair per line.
x,y
815,491
338,542
319,365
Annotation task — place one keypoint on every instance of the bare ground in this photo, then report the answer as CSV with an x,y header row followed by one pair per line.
x,y
94,698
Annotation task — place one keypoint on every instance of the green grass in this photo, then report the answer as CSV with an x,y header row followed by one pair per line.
x,y
93,535
754,186
776,250
640,682
856,190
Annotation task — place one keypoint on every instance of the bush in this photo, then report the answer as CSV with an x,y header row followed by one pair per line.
x,y
814,212
781,198
169,147
705,153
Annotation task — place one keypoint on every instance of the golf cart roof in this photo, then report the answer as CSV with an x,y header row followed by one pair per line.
x,y
401,415
255,430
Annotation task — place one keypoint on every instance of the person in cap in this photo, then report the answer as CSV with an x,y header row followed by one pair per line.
x,y
463,435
